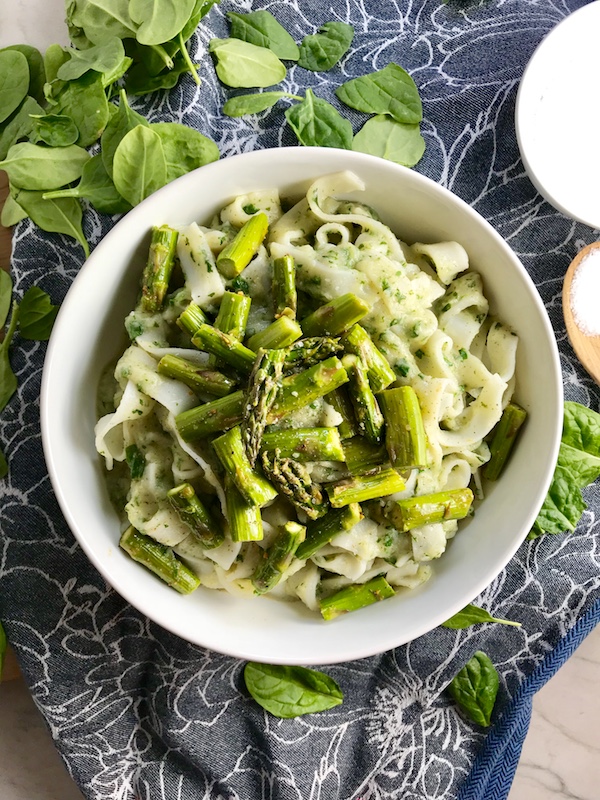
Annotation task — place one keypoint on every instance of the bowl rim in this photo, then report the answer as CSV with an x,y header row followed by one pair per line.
x,y
51,375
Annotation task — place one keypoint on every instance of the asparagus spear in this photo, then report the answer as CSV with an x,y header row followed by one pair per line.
x,y
305,387
225,347
284,287
308,352
404,432
236,256
379,372
232,455
368,414
160,559
245,521
191,319
503,440
362,456
194,513
278,557
305,444
428,508
341,402
293,481
281,333
157,273
321,531
218,415
365,487
233,314
260,395
335,317
202,381
356,596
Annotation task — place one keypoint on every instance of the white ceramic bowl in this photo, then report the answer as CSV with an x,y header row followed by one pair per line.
x,y
88,334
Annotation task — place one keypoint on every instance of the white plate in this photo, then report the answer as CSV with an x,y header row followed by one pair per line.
x,y
558,116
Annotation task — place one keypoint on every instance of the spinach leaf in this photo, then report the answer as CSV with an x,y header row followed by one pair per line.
x,y
55,216
253,103
31,166
36,315
390,91
244,65
394,141
578,465
125,120
185,149
140,81
101,20
104,58
19,126
262,29
201,8
6,286
136,461
11,212
472,615
8,381
96,186
2,634
37,73
3,474
159,20
288,692
140,166
56,130
322,51
54,57
14,81
475,687
84,100
316,123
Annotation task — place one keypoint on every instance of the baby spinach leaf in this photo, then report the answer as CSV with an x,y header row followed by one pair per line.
x,y
96,186
185,149
253,103
394,141
288,692
201,9
474,689
244,65
472,615
101,20
139,81
19,126
11,213
36,315
6,286
104,58
3,643
3,474
37,73
56,130
14,81
139,165
31,166
262,29
8,381
390,91
159,20
54,57
317,123
84,100
55,216
322,51
125,120
581,428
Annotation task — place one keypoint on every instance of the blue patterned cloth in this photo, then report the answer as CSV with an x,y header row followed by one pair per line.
x,y
137,712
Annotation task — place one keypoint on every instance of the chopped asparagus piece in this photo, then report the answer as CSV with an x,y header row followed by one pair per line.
x,y
278,557
233,314
284,287
157,273
293,481
427,508
194,513
308,352
341,402
321,531
245,521
368,414
305,444
365,487
225,347
359,595
379,372
218,415
232,455
202,381
236,256
335,317
405,438
503,439
362,456
263,386
160,559
281,333
191,319
304,387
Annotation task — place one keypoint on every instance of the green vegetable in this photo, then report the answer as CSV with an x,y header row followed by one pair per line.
x,y
474,689
14,81
276,560
359,595
244,65
323,50
3,474
33,167
159,559
97,187
192,511
19,126
503,440
37,72
263,385
236,256
288,692
139,164
394,141
11,212
8,380
390,91
185,149
101,20
159,266
136,461
5,296
118,126
36,315
140,81
251,485
107,58
84,100
578,465
55,216
317,123
262,29
245,521
3,644
54,57
253,103
55,130
472,615
159,20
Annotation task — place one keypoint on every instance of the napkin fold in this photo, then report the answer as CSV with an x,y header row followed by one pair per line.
x,y
137,712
